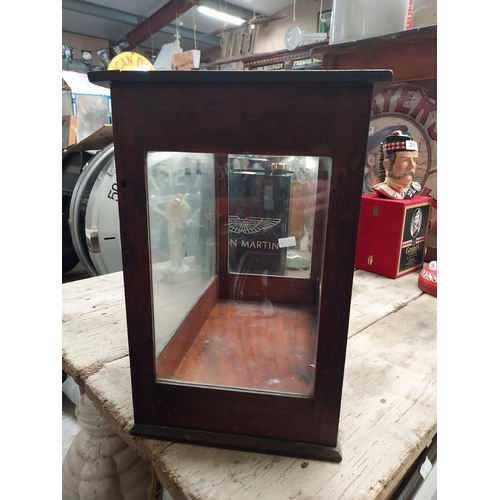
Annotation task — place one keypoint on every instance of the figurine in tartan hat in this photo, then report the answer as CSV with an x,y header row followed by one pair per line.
x,y
372,154
397,167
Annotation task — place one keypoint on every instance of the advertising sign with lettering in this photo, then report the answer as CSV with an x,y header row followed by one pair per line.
x,y
411,109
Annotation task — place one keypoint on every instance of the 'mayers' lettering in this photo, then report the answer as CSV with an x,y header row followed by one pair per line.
x,y
408,95
387,96
432,131
427,104
403,98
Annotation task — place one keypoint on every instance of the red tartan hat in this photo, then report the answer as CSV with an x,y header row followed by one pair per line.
x,y
398,141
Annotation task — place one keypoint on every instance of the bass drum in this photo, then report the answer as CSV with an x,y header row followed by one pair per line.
x,y
94,218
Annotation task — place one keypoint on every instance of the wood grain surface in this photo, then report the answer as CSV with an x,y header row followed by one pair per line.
x,y
254,345
388,414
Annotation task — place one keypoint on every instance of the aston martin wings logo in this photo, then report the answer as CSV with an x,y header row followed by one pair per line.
x,y
250,225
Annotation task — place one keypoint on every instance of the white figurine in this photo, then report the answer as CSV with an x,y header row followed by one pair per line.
x,y
177,213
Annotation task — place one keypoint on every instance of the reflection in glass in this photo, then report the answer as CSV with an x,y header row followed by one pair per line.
x,y
182,234
271,214
259,337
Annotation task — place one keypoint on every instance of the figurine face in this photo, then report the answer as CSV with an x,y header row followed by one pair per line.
x,y
402,171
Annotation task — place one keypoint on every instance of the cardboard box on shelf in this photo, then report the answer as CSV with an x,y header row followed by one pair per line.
x,y
89,102
68,131
96,141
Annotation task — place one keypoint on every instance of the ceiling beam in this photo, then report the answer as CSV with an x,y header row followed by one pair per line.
x,y
118,16
154,23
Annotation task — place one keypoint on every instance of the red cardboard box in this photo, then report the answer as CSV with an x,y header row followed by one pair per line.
x,y
391,235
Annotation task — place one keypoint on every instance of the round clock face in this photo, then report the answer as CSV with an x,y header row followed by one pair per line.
x,y
292,38
94,218
79,203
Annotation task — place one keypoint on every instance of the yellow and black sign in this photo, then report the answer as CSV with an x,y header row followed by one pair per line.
x,y
127,61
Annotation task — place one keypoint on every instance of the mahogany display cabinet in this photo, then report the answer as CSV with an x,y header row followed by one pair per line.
x,y
239,349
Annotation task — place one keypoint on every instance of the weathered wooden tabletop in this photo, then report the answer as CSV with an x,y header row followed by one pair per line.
x,y
388,412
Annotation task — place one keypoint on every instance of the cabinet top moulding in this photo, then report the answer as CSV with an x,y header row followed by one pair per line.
x,y
105,78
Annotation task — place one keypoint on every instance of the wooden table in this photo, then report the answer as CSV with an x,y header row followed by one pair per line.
x,y
388,407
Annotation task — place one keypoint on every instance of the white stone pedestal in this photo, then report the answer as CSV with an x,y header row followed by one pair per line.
x,y
99,465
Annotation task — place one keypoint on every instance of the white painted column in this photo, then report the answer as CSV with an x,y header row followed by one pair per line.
x,y
100,465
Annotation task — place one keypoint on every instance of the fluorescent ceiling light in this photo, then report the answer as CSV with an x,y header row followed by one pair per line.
x,y
221,16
